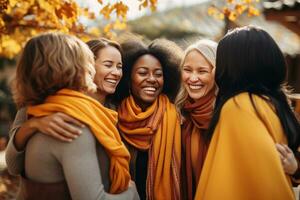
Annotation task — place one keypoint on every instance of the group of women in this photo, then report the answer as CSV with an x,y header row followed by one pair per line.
x,y
148,121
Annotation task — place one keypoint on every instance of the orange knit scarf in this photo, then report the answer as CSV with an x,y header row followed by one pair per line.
x,y
156,129
102,122
195,145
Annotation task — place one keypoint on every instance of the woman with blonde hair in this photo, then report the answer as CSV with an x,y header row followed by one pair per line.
x,y
55,74
196,108
195,101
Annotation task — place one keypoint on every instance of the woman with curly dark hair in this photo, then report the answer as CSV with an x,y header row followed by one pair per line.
x,y
252,113
148,121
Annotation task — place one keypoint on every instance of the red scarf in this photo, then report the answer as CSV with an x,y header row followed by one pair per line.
x,y
195,145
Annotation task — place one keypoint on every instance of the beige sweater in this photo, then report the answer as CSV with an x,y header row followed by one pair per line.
x,y
83,163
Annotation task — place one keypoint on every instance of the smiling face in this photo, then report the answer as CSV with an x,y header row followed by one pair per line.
x,y
197,75
146,80
108,65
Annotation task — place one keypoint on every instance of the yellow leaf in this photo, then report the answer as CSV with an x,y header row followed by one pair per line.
x,y
2,24
143,4
221,16
94,31
84,38
121,9
153,5
253,11
153,2
92,15
46,6
33,32
106,11
100,1
232,16
118,25
240,8
107,28
13,3
226,11
211,11
10,47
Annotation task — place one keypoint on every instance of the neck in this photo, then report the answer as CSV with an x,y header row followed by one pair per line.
x,y
99,96
143,105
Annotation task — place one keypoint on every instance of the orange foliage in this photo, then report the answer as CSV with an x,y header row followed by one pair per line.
x,y
22,19
233,9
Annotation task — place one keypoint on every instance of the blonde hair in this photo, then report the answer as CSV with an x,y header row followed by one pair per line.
x,y
50,62
208,49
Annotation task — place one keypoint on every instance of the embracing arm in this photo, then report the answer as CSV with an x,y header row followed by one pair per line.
x,y
14,157
82,171
288,159
58,125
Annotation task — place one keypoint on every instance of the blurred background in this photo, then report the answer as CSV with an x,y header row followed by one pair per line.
x,y
182,21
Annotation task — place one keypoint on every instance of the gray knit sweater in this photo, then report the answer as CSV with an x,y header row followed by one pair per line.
x,y
83,163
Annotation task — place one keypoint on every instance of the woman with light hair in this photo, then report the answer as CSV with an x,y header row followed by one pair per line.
x,y
56,74
195,101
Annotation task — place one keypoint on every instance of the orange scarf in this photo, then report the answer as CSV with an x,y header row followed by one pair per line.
x,y
102,122
194,142
156,129
297,109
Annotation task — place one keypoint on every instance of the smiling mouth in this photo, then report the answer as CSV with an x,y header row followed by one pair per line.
x,y
111,81
195,87
150,90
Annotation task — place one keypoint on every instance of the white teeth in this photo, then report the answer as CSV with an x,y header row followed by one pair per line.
x,y
150,89
111,81
149,92
195,87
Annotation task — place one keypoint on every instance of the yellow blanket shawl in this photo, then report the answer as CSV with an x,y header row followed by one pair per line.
x,y
242,161
102,122
156,129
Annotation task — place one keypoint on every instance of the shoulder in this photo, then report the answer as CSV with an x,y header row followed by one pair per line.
x,y
243,101
85,141
21,114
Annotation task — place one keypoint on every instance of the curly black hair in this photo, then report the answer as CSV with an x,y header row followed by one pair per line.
x,y
167,52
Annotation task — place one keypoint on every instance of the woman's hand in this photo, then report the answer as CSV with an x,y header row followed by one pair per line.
x,y
58,125
288,160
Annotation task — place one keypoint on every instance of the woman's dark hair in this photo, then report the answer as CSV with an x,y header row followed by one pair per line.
x,y
169,56
249,60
